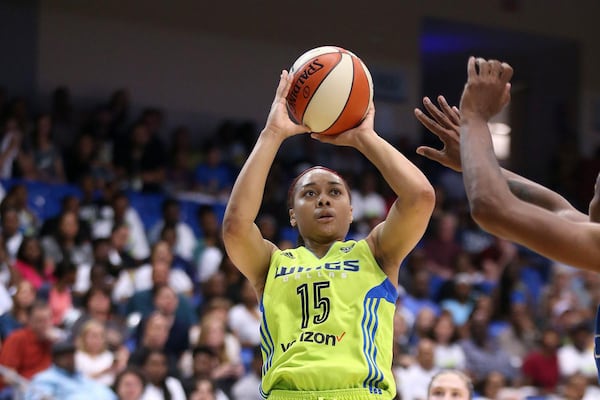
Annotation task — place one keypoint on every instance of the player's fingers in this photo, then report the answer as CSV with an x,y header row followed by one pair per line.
x,y
285,82
471,67
436,113
484,67
495,67
430,153
507,72
451,113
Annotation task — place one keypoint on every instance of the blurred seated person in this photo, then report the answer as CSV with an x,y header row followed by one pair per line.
x,y
65,243
204,364
155,333
166,304
540,365
209,247
17,197
161,384
142,301
62,381
140,160
32,265
97,306
247,387
143,278
69,203
185,237
17,316
213,176
27,351
120,212
168,234
9,228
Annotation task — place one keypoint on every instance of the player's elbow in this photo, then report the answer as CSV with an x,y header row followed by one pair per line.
x,y
233,226
487,211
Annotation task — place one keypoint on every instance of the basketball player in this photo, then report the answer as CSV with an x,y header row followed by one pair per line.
x,y
328,305
450,385
502,202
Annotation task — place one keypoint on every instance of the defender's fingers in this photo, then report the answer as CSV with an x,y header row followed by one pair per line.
x,y
507,72
450,112
471,67
430,153
436,113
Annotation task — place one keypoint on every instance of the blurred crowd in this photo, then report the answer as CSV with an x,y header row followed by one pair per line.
x,y
95,302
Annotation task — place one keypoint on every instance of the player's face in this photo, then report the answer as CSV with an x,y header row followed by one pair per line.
x,y
448,387
322,207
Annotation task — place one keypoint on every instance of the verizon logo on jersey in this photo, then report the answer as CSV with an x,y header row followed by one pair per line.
x,y
326,339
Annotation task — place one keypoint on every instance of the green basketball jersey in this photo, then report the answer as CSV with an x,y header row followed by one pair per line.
x,y
327,322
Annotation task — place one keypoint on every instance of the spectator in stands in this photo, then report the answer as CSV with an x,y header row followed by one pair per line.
x,y
204,364
145,276
540,365
11,235
442,246
577,355
140,159
213,334
247,387
83,159
120,212
70,203
63,117
166,303
461,303
482,352
209,248
46,155
17,196
171,215
93,358
66,243
32,264
155,333
205,390
59,296
62,381
244,318
214,176
17,316
168,234
448,353
418,296
10,145
368,205
182,160
160,386
28,350
490,384
130,384
521,334
412,382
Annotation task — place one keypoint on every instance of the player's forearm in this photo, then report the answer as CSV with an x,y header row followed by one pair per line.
x,y
534,193
247,192
404,178
487,189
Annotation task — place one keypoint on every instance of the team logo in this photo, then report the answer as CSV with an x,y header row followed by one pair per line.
x,y
288,254
346,249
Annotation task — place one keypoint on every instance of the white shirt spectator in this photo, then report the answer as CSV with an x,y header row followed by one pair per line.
x,y
91,366
412,382
245,324
209,263
155,393
131,281
247,388
137,245
449,356
571,360
186,239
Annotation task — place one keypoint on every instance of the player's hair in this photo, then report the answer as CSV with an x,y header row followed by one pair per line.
x,y
460,374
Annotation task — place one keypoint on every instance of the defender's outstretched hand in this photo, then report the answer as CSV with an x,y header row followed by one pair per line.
x,y
487,90
445,124
279,121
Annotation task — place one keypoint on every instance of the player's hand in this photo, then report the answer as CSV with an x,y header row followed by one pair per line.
x,y
487,90
351,137
445,124
278,121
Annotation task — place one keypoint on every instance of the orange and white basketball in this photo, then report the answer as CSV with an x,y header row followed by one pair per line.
x,y
331,90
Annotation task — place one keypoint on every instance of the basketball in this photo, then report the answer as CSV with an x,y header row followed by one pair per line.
x,y
331,90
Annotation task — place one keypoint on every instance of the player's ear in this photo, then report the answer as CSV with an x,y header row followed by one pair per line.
x,y
351,214
594,208
293,221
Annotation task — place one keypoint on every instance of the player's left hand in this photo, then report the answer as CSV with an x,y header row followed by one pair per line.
x,y
351,137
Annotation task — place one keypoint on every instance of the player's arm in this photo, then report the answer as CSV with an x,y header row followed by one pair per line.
x,y
408,217
493,205
444,122
244,243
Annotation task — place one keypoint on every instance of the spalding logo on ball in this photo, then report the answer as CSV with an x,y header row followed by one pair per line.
x,y
331,90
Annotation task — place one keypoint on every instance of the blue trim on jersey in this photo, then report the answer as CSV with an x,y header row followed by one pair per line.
x,y
597,343
266,343
262,392
369,326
